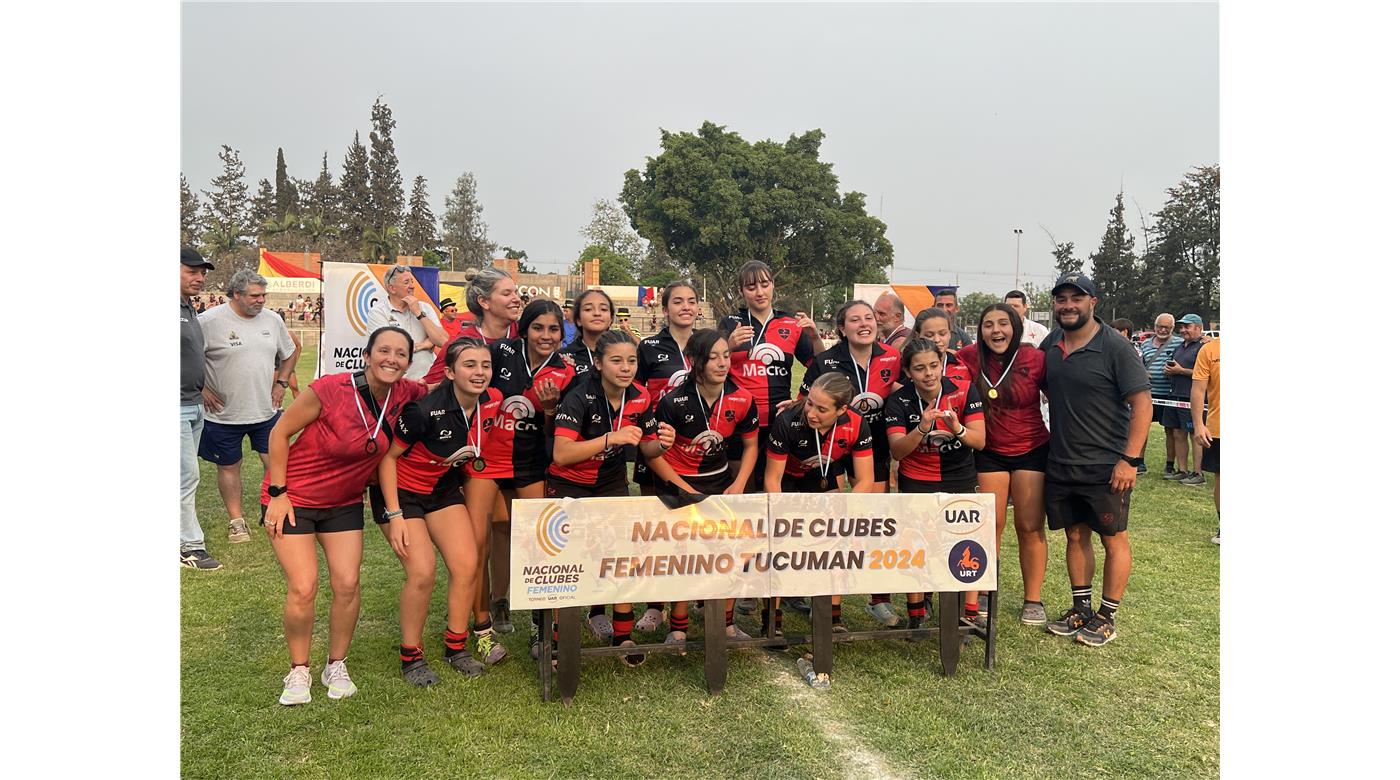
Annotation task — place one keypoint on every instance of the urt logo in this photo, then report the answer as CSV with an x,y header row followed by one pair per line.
x,y
552,529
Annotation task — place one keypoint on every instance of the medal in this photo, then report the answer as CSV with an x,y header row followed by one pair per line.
x,y
372,445
479,465
992,391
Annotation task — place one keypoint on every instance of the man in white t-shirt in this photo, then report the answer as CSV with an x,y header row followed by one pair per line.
x,y
248,357
403,310
1032,332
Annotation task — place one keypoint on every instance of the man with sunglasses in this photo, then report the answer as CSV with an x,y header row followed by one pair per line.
x,y
402,309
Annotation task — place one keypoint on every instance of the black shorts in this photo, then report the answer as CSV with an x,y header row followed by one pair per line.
x,y
446,493
710,484
811,482
911,485
1081,494
562,488
311,520
990,462
1210,458
518,481
1156,409
1176,417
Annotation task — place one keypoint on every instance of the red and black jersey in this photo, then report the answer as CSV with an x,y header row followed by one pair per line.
x,y
792,442
873,383
333,459
517,445
585,414
471,330
701,430
440,437
660,364
940,457
763,366
585,359
1014,424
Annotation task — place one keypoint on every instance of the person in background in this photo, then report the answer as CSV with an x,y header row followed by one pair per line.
x,y
494,300
624,317
451,323
193,269
889,313
570,329
947,300
1205,414
1032,332
1156,352
1179,368
402,309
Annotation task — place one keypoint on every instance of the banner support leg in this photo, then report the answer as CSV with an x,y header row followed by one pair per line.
x,y
990,659
821,635
949,638
716,646
569,646
546,670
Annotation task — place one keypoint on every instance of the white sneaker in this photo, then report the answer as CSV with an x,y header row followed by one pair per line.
x,y
238,531
337,681
650,621
296,686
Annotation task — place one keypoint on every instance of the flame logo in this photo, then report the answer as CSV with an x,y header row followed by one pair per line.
x,y
552,529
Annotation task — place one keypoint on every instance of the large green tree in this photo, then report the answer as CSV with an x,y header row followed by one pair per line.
x,y
714,201
321,196
608,226
385,182
189,214
420,226
1115,267
354,192
464,227
1184,264
286,191
1065,261
263,207
613,268
226,206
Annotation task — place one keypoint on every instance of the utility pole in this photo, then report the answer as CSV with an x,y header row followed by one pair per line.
x,y
1018,231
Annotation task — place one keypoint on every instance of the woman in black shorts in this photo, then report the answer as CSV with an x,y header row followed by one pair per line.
x,y
314,492
435,439
622,411
1010,377
717,411
934,424
806,444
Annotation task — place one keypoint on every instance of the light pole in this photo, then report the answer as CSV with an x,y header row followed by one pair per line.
x,y
1017,231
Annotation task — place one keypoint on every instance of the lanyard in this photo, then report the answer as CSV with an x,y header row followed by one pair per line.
x,y
530,375
372,444
936,402
862,385
992,392
607,406
468,421
825,465
706,413
758,336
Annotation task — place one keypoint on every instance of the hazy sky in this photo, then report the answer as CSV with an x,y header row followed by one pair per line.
x,y
958,122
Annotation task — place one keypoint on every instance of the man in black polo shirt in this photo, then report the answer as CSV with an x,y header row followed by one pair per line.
x,y
1100,409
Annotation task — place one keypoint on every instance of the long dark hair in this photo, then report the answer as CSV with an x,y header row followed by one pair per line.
x,y
985,356
697,351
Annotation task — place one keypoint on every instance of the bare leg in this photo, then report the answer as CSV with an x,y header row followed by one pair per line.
x,y
1117,564
420,572
1079,554
297,555
1028,487
998,483
344,550
1171,445
481,499
500,550
231,489
452,533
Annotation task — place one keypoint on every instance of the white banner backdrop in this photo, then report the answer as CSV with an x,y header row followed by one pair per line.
x,y
575,552
870,292
351,290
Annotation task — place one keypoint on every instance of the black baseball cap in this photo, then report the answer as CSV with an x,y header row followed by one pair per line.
x,y
191,257
1077,280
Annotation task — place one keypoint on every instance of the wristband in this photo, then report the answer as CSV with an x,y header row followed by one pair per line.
x,y
273,491
390,514
420,316
960,433
920,429
283,383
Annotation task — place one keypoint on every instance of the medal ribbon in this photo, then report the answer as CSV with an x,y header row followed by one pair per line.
x,y
997,384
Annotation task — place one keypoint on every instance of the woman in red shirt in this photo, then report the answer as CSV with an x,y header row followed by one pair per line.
x,y
314,492
1011,376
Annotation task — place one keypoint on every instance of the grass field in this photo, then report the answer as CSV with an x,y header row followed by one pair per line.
x,y
1146,705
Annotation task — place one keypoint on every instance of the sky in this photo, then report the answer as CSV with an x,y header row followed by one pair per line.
x,y
960,123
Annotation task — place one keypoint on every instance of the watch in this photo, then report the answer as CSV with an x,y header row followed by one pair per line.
x,y
420,315
276,490
1134,462
283,383
391,514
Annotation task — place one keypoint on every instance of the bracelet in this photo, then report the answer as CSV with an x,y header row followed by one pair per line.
x,y
390,514
420,316
283,383
960,433
920,429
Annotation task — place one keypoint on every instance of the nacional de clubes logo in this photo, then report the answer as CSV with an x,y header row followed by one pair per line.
x,y
552,529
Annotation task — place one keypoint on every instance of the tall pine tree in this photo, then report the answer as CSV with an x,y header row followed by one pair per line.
x,y
286,190
226,206
263,209
385,183
1114,266
354,193
1186,246
464,228
189,214
1065,261
420,226
321,196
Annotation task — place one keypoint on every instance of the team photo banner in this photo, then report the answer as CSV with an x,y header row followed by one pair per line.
x,y
351,290
577,552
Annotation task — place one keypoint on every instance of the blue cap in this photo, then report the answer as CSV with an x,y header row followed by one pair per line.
x,y
1078,280
1194,319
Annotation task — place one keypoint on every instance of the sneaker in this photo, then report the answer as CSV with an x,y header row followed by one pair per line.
x,y
883,613
916,622
1175,476
601,627
1215,539
464,663
337,680
296,686
1069,623
238,531
676,638
1194,478
199,559
732,631
1033,614
837,627
746,606
500,617
420,674
631,661
1098,632
489,648
650,621
800,605
1169,471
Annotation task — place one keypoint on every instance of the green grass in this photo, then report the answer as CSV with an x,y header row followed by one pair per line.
x,y
1145,706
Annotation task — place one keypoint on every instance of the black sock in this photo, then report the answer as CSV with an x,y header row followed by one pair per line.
x,y
408,655
1083,596
656,605
483,628
622,625
596,610
1108,608
835,614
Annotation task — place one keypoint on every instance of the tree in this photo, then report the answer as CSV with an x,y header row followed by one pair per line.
x,y
1114,266
1185,257
658,269
712,201
226,207
610,228
380,246
1065,261
263,208
464,228
420,226
286,191
385,183
354,192
322,196
189,214
970,308
612,267
522,256
280,227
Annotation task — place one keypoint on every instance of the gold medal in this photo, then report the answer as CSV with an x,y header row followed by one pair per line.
x,y
992,393
479,465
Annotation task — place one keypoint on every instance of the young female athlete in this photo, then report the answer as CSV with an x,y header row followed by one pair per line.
x,y
1010,377
805,446
593,316
873,370
936,325
596,419
314,492
934,424
495,302
706,411
531,376
421,475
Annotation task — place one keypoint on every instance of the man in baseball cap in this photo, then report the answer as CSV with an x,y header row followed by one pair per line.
x,y
193,269
1179,369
